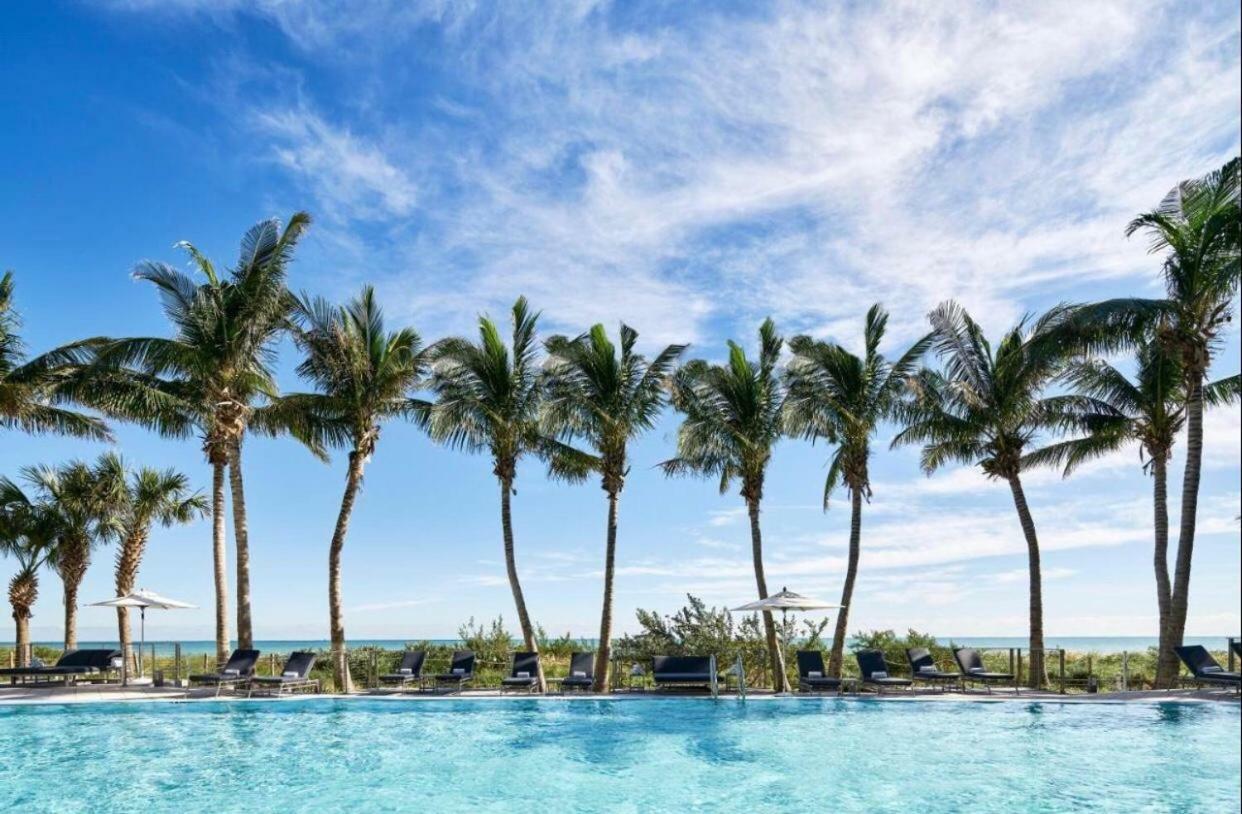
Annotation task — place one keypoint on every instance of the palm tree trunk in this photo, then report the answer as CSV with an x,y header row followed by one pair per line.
x,y
336,623
71,614
1180,599
23,591
73,560
218,556
1166,664
127,561
506,525
1036,679
603,655
776,658
241,537
847,591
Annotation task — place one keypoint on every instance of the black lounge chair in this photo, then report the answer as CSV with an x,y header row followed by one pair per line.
x,y
812,677
1206,670
70,667
581,672
238,670
409,671
460,672
523,675
923,668
971,664
294,677
874,671
686,671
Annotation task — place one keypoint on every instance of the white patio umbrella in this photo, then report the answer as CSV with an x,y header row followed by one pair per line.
x,y
785,601
143,599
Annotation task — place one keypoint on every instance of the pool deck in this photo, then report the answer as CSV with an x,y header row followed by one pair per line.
x,y
94,694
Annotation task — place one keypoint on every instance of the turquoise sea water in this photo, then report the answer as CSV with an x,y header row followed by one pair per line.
x,y
621,755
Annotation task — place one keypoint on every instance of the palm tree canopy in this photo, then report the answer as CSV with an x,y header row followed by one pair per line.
x,y
835,395
28,529
1197,229
223,345
364,373
146,495
31,390
732,415
80,498
488,398
988,405
602,397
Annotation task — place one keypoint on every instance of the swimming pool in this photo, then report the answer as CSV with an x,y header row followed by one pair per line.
x,y
328,755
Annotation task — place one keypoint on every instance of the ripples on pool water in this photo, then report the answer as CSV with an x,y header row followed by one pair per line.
x,y
626,755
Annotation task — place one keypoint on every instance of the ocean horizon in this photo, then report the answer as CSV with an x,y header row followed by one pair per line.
x,y
1076,644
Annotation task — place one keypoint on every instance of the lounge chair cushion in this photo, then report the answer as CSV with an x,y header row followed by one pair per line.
x,y
579,674
290,675
458,671
878,675
815,674
405,671
522,674
1212,668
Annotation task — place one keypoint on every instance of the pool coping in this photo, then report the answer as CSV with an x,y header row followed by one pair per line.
x,y
17,697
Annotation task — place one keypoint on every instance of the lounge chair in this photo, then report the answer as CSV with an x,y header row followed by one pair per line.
x,y
812,677
1236,647
294,677
70,667
971,664
1206,670
581,672
238,670
409,671
686,671
523,675
460,672
874,671
923,668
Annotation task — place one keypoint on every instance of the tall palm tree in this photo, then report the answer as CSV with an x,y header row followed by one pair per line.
x,y
487,400
364,374
1150,411
209,375
605,399
27,533
842,398
142,498
31,389
732,421
77,495
1196,228
988,408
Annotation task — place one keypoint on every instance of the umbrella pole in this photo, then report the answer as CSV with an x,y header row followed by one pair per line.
x,y
142,612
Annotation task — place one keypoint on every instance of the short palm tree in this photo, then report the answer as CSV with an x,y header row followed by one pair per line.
x,y
27,534
209,375
842,398
988,408
1196,228
732,419
1150,411
77,495
31,389
605,399
364,374
488,400
142,498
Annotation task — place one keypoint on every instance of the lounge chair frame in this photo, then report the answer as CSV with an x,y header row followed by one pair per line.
x,y
456,682
412,660
812,661
869,663
247,659
968,659
673,672
919,658
1197,658
299,662
522,663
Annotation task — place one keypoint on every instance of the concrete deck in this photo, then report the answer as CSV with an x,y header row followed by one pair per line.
x,y
94,694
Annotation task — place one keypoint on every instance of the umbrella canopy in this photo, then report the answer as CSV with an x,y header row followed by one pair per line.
x,y
143,598
787,600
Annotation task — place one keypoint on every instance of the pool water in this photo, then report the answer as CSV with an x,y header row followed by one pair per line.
x,y
662,754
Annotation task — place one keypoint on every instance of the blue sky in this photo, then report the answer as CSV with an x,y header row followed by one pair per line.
x,y
689,168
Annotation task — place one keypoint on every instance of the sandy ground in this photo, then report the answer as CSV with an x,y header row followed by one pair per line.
x,y
88,694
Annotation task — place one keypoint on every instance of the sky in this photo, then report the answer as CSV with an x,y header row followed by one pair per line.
x,y
687,168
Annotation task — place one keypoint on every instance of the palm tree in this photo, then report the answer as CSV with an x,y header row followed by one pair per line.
x,y
1196,227
364,374
78,496
30,389
842,398
141,499
1150,411
27,533
732,420
606,400
209,375
988,408
487,400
